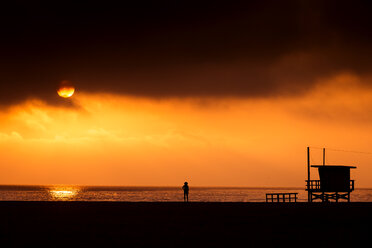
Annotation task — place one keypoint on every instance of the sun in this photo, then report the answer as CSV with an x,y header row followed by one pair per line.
x,y
66,92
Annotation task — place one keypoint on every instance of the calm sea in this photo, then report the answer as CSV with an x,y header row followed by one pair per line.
x,y
157,194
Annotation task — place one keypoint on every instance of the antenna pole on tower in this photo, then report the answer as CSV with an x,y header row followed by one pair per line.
x,y
323,156
308,175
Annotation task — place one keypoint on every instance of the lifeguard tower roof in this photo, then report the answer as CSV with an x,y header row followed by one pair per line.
x,y
335,166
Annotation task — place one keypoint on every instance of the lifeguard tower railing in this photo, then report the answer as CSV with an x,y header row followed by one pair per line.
x,y
315,185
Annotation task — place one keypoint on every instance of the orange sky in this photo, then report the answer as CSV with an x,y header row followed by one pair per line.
x,y
120,140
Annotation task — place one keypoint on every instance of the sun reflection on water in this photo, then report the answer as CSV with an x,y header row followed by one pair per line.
x,y
63,193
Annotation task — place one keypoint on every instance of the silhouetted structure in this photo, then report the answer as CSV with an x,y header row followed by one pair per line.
x,y
186,189
281,197
334,181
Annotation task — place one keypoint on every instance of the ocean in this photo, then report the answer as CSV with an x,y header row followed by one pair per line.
x,y
152,194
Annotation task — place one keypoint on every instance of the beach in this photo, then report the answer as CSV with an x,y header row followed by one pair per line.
x,y
178,224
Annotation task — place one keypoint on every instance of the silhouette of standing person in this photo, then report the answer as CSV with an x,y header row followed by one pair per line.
x,y
185,188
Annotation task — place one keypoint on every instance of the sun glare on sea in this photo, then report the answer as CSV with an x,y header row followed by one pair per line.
x,y
63,193
66,92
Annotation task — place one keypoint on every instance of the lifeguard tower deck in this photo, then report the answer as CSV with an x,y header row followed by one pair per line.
x,y
333,184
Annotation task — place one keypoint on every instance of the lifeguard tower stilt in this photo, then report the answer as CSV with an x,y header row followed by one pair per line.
x,y
334,181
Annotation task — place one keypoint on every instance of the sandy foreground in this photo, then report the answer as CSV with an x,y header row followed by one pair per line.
x,y
178,224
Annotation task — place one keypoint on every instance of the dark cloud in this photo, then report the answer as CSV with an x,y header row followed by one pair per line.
x,y
177,49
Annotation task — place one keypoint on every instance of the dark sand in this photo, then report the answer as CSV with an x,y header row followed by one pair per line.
x,y
123,224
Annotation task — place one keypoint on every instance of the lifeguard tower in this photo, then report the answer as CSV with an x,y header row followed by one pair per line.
x,y
334,181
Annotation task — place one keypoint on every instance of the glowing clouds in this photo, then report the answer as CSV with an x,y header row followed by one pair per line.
x,y
66,89
235,142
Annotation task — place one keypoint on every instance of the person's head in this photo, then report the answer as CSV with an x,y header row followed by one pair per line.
x,y
186,183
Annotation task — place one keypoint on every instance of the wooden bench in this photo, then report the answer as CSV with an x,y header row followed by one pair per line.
x,y
281,197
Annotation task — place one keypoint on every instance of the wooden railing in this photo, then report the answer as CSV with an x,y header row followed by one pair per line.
x,y
315,185
281,197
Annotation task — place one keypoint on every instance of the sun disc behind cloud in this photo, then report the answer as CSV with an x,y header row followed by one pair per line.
x,y
66,92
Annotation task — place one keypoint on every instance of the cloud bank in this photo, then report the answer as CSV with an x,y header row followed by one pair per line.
x,y
183,49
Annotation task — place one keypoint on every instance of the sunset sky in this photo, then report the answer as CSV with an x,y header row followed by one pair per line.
x,y
217,94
